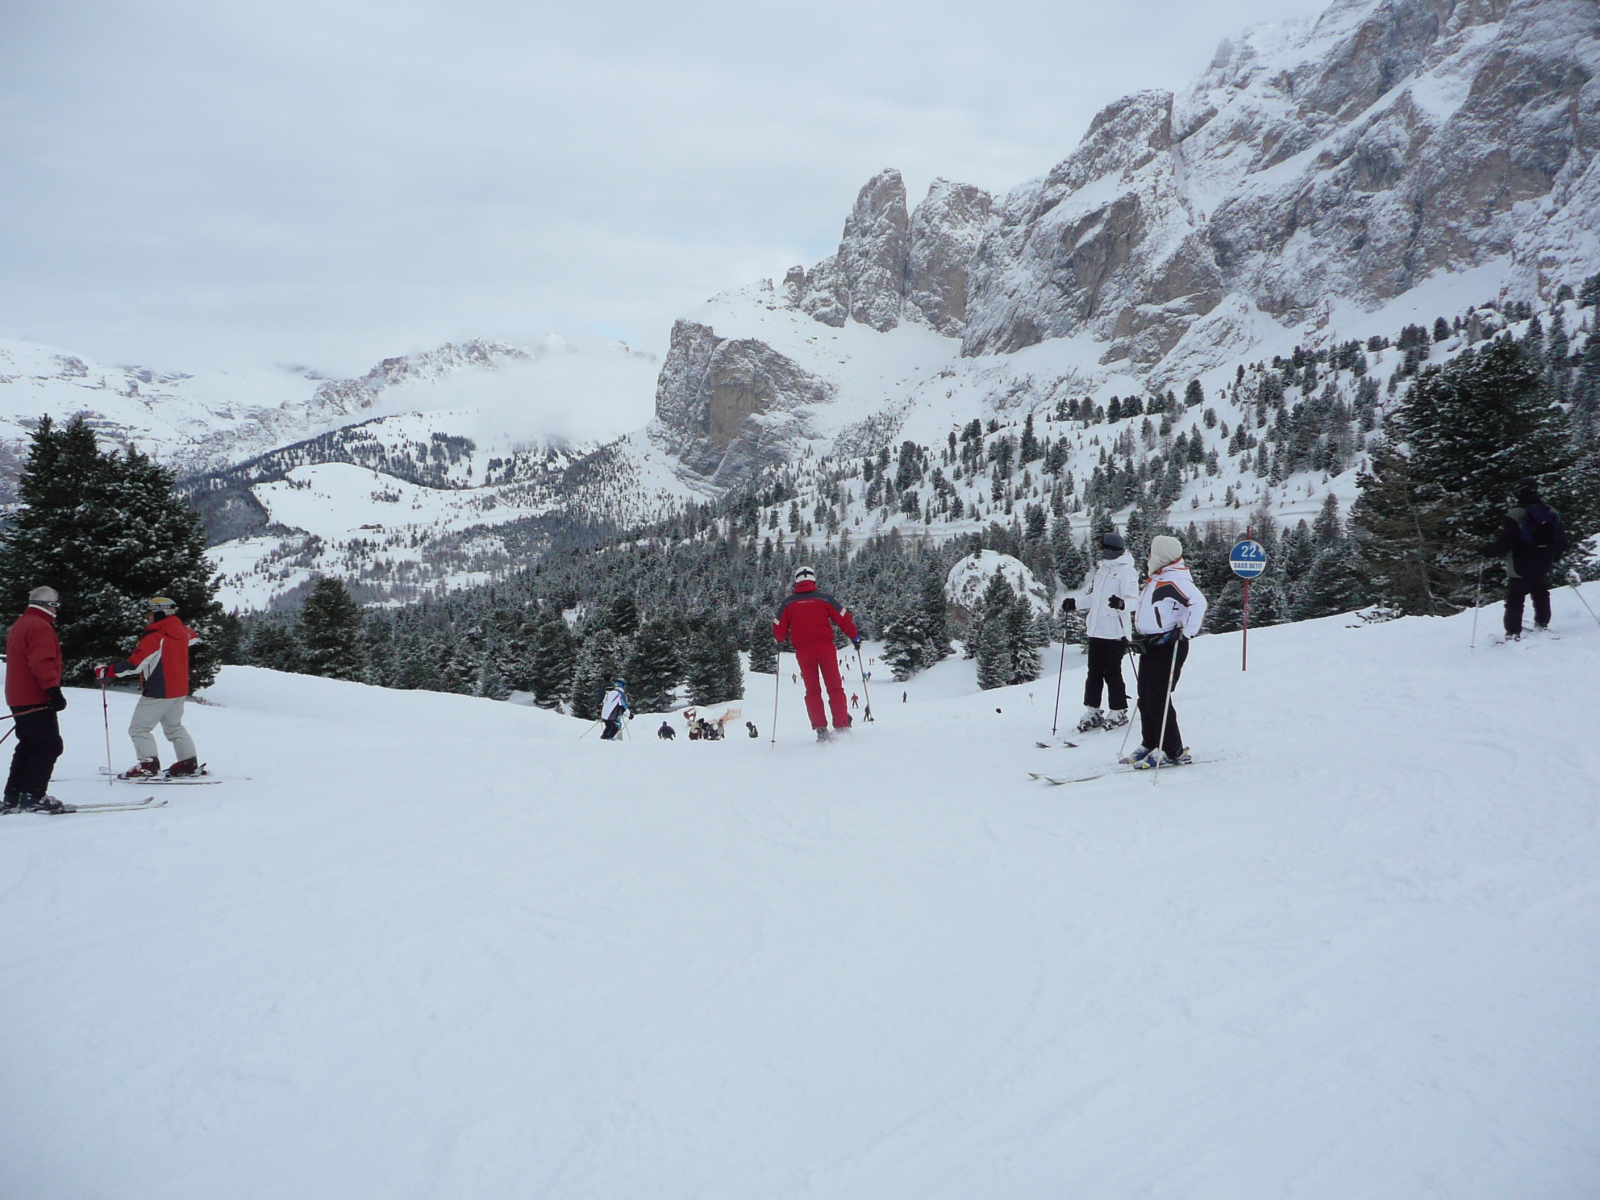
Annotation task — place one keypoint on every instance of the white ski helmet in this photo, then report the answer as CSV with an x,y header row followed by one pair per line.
x,y
802,573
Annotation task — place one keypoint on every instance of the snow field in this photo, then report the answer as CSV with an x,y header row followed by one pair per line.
x,y
443,947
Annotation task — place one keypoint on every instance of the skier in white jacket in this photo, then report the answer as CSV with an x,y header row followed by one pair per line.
x,y
1112,593
613,709
1171,611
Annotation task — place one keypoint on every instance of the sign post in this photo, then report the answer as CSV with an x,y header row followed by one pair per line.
x,y
1248,559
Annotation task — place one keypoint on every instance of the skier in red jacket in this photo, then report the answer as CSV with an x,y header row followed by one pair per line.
x,y
33,692
161,660
807,619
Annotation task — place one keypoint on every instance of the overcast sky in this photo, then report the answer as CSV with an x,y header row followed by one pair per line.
x,y
329,182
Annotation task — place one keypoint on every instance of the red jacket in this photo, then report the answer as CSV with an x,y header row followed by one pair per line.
x,y
33,658
161,658
807,617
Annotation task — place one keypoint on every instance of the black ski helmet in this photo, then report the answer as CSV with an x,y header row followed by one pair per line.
x,y
1528,491
1113,541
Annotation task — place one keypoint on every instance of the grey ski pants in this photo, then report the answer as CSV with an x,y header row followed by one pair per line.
x,y
147,714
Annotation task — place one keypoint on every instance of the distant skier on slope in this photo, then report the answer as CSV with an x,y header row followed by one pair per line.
x,y
33,692
161,661
806,620
1171,610
1114,588
666,733
613,709
1531,538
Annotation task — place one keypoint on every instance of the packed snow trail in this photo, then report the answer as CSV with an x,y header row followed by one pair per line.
x,y
439,947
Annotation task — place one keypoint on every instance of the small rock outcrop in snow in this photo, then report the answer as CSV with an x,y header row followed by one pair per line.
x,y
964,586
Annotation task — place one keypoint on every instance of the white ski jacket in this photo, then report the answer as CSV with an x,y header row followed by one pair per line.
x,y
613,701
1170,599
1113,577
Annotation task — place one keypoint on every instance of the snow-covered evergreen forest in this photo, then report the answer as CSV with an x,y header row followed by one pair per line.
x,y
1347,436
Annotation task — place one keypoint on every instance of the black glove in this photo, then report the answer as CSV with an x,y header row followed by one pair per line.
x,y
1134,646
856,642
1070,604
1116,602
58,699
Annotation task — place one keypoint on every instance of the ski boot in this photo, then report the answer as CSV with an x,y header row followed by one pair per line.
x,y
1137,757
185,766
1115,719
146,768
40,804
1092,718
824,734
9,803
1157,759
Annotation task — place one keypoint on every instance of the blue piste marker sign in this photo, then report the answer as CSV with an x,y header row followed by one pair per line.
x,y
1248,559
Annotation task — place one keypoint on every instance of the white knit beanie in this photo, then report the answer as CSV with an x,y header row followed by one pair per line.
x,y
1164,549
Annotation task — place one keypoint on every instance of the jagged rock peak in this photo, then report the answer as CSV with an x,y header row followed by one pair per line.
x,y
865,280
945,230
888,258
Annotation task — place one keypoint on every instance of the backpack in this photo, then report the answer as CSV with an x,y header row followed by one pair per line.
x,y
1539,527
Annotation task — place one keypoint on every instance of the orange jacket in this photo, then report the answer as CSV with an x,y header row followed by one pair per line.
x,y
33,658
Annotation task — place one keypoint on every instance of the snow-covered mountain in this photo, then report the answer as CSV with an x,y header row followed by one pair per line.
x,y
207,419
1323,183
1317,176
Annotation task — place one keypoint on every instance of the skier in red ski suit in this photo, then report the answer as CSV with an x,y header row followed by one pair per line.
x,y
807,619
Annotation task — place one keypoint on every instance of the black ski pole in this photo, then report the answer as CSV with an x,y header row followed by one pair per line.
x,y
865,690
105,712
1477,599
777,677
1172,673
1129,729
1067,605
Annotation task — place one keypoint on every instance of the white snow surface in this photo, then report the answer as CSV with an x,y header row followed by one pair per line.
x,y
430,946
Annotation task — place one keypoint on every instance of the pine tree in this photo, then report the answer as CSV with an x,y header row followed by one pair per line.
x,y
935,613
652,671
1402,527
711,663
330,634
273,645
554,659
905,641
763,650
599,662
107,531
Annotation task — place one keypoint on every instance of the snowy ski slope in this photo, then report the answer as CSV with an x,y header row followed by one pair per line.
x,y
429,946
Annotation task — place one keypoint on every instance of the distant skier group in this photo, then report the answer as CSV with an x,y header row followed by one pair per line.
x,y
34,695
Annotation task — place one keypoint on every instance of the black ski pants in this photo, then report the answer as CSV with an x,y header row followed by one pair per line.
x,y
38,746
1153,673
613,726
1105,668
1517,590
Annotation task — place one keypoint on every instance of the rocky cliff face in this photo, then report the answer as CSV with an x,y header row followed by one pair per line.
x,y
1337,162
1347,159
727,406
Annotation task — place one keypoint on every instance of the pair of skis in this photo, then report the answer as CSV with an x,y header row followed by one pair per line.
x,y
132,806
1119,769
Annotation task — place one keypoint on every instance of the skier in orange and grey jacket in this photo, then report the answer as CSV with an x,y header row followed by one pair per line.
x,y
161,660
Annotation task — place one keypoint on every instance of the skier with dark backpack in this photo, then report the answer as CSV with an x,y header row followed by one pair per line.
x,y
1531,539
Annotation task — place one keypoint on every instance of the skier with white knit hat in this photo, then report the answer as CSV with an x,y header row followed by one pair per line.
x,y
1171,611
